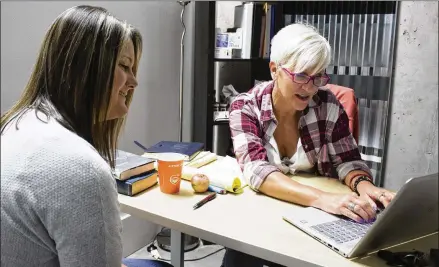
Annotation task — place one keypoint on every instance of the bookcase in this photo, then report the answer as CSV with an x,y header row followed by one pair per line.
x,y
361,34
241,72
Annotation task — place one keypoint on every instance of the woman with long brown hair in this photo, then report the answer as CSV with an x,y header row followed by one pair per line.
x,y
59,201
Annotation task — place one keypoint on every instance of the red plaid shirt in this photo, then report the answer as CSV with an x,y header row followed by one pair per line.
x,y
323,128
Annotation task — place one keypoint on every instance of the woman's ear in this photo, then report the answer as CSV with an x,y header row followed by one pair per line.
x,y
273,70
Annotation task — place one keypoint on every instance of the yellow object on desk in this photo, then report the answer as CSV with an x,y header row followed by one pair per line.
x,y
228,181
202,159
223,173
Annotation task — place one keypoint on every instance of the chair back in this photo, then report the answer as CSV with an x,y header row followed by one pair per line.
x,y
347,99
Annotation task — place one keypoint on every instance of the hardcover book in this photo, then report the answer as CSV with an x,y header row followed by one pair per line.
x,y
129,165
137,184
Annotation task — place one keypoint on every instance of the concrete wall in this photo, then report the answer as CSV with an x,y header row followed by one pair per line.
x,y
412,144
154,111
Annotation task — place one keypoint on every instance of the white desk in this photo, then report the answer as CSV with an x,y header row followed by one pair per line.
x,y
249,222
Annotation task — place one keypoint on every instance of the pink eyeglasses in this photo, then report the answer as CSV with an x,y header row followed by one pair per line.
x,y
300,78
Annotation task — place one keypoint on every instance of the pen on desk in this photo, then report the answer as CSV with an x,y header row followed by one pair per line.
x,y
140,145
205,200
216,189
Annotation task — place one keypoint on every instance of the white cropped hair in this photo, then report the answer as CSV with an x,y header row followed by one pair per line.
x,y
300,48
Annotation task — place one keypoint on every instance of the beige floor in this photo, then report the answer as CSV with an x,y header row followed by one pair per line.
x,y
211,261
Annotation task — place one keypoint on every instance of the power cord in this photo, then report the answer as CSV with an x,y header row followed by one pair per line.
x,y
152,249
154,253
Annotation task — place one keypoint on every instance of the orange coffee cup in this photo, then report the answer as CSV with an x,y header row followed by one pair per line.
x,y
170,166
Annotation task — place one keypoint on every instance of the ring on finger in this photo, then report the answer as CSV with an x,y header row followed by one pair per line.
x,y
351,206
383,194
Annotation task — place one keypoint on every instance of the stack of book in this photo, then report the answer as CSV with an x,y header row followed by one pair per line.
x,y
134,173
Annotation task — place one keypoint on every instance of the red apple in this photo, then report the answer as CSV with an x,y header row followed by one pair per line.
x,y
200,182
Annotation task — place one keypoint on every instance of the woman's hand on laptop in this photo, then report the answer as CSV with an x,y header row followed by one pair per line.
x,y
349,205
373,194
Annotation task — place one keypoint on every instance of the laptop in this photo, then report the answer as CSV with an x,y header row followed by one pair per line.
x,y
413,213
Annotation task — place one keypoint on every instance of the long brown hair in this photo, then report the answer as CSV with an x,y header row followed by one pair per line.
x,y
73,77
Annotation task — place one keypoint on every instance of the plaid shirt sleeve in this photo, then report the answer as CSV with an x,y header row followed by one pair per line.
x,y
342,148
248,144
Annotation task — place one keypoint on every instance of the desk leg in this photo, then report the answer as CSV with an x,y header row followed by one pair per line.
x,y
177,248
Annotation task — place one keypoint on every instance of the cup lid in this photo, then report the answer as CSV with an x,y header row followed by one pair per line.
x,y
170,156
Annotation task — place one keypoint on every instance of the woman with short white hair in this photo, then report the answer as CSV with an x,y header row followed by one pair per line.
x,y
294,124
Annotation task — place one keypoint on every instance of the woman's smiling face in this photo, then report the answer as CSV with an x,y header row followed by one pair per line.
x,y
298,88
124,82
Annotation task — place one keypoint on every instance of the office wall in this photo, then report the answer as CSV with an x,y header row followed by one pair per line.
x,y
25,23
412,137
154,111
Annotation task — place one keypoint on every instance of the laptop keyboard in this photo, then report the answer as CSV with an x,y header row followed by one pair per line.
x,y
342,231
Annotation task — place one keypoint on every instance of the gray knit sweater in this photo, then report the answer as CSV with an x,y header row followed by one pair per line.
x,y
59,203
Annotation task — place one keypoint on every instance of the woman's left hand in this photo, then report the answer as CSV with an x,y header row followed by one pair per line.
x,y
373,194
